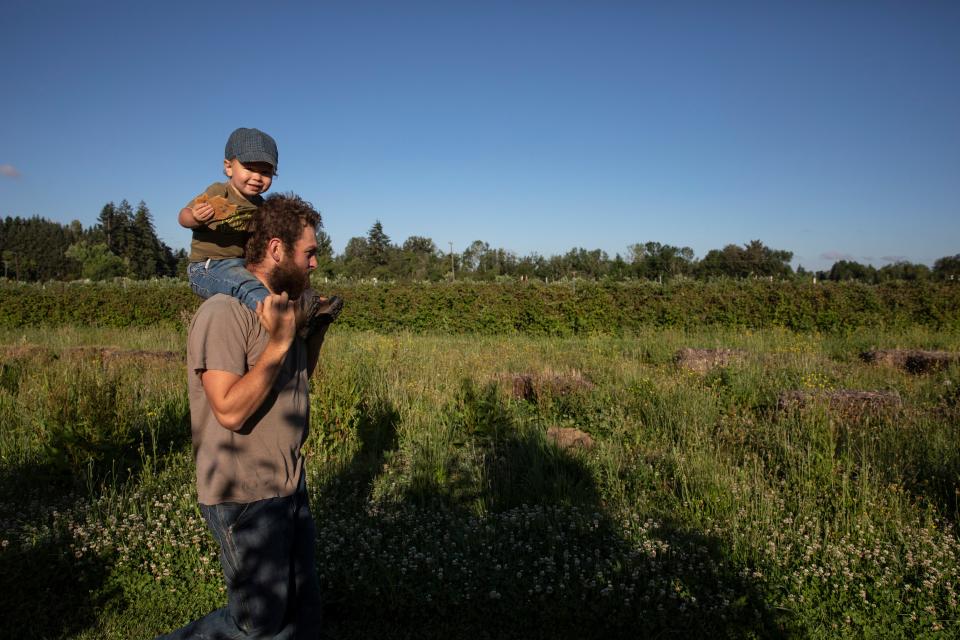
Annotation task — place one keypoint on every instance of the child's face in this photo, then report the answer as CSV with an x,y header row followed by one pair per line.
x,y
250,178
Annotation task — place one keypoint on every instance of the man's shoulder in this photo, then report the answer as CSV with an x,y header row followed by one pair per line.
x,y
221,303
223,323
222,308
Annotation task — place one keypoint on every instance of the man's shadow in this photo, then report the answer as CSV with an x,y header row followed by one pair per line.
x,y
51,586
529,488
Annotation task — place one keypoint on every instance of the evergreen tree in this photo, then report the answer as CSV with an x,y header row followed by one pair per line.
x,y
107,223
378,246
325,261
144,253
34,249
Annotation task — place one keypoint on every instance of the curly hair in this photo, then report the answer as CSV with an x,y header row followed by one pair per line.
x,y
283,216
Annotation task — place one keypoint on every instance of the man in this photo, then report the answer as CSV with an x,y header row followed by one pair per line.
x,y
249,410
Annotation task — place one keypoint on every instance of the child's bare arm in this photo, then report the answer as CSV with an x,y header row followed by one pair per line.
x,y
195,216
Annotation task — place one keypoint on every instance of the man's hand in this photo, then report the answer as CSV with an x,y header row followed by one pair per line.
x,y
234,398
278,316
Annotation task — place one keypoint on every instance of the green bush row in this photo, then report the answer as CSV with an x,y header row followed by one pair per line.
x,y
559,309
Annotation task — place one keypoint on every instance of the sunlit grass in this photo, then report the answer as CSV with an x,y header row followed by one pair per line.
x,y
443,510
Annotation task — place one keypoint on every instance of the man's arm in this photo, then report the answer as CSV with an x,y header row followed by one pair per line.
x,y
234,398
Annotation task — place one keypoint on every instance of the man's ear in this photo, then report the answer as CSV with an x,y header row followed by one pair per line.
x,y
275,249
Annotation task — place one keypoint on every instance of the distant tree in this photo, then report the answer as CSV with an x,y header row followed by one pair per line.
x,y
34,249
764,261
353,262
530,266
947,268
654,260
419,244
96,260
108,223
39,249
419,259
851,270
472,259
326,266
583,263
378,246
753,259
619,269
146,259
903,270
181,259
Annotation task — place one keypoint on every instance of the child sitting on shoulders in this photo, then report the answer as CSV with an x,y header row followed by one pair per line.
x,y
219,218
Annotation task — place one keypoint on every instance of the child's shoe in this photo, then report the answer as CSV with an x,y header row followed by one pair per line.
x,y
316,312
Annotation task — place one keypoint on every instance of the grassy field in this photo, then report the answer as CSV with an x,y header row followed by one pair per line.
x,y
444,509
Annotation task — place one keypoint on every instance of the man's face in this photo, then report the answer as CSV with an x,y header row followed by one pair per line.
x,y
292,273
249,178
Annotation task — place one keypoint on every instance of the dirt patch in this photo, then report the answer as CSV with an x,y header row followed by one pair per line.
x,y
529,386
569,438
911,360
702,360
23,351
109,354
845,401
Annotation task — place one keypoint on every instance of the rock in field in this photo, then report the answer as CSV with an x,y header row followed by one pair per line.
x,y
911,360
569,438
528,386
702,360
845,401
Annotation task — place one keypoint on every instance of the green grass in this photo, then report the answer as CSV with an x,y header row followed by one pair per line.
x,y
443,509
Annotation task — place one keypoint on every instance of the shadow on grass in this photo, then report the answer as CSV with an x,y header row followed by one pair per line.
x,y
46,593
45,590
530,552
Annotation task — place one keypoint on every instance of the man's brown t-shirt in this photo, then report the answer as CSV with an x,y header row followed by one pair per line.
x,y
262,459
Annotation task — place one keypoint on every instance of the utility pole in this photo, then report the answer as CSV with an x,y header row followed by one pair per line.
x,y
453,268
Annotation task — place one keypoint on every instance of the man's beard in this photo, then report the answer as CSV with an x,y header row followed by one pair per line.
x,y
287,276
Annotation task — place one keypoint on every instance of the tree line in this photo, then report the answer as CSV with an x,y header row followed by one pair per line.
x,y
123,243
419,258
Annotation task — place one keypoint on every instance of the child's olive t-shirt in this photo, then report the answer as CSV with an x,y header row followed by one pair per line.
x,y
225,238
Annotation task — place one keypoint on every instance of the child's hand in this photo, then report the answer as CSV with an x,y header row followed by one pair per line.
x,y
202,213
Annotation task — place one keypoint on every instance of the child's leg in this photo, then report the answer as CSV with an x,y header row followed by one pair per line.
x,y
228,276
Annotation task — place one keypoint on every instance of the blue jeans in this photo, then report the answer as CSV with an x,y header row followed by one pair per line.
x,y
229,276
268,556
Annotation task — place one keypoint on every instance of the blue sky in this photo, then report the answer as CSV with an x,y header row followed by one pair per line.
x,y
829,129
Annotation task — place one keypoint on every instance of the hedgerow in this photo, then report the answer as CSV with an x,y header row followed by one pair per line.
x,y
556,309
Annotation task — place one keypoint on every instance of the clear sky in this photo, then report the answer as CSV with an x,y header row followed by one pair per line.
x,y
827,128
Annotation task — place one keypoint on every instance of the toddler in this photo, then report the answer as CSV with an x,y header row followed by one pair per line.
x,y
219,219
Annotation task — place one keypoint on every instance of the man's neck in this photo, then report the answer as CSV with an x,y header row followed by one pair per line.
x,y
260,274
